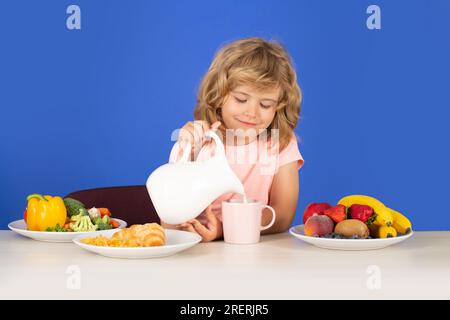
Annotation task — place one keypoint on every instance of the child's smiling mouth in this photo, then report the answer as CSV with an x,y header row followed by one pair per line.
x,y
249,124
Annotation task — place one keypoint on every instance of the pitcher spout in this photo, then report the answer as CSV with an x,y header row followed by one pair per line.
x,y
238,187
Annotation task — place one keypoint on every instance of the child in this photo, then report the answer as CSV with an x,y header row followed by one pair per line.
x,y
251,97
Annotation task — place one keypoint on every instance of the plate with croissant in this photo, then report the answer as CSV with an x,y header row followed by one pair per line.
x,y
140,241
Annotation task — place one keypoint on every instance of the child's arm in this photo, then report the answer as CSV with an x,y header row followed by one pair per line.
x,y
283,198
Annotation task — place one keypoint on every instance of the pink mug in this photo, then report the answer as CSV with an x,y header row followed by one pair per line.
x,y
242,221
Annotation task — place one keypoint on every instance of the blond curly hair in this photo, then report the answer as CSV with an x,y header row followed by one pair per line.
x,y
258,63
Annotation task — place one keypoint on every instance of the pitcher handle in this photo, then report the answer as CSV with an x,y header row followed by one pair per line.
x,y
175,150
219,145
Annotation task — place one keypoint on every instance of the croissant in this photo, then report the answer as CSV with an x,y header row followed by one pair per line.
x,y
147,235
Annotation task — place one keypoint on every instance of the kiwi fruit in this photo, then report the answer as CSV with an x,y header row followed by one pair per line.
x,y
352,227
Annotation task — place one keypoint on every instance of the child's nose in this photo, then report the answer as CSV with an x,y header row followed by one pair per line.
x,y
252,109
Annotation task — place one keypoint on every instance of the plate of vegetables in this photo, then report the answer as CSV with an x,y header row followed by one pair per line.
x,y
54,219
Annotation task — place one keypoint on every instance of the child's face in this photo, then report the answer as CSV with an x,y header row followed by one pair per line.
x,y
248,109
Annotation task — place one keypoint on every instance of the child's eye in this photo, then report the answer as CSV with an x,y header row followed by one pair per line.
x,y
240,101
265,107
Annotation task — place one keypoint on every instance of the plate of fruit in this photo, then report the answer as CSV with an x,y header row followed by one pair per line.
x,y
54,219
357,222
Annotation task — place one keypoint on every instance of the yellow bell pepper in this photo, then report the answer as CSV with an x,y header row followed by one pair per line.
x,y
45,212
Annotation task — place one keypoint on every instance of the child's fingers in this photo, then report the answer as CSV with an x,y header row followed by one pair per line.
x,y
216,207
201,229
213,222
200,127
214,128
192,132
188,227
203,126
216,125
186,134
210,215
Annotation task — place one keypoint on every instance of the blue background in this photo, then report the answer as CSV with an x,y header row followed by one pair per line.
x,y
96,107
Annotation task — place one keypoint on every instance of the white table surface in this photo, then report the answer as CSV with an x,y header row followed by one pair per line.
x,y
280,267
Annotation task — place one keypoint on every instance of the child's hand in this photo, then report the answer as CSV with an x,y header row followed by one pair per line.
x,y
194,132
209,232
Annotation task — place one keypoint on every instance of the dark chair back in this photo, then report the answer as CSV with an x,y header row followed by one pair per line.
x,y
129,203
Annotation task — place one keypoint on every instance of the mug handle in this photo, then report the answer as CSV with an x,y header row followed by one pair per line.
x,y
273,218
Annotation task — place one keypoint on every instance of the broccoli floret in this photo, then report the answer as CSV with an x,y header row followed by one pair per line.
x,y
103,223
76,217
58,228
82,224
73,206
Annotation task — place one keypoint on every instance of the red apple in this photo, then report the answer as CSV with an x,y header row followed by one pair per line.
x,y
315,208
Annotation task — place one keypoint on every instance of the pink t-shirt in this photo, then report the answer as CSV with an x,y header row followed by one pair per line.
x,y
255,165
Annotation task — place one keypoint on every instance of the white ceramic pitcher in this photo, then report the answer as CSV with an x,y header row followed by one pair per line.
x,y
181,190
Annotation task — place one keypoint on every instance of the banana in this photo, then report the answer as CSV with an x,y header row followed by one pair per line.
x,y
401,223
378,231
383,214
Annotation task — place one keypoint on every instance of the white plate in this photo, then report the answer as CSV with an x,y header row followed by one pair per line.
x,y
346,244
176,241
20,227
